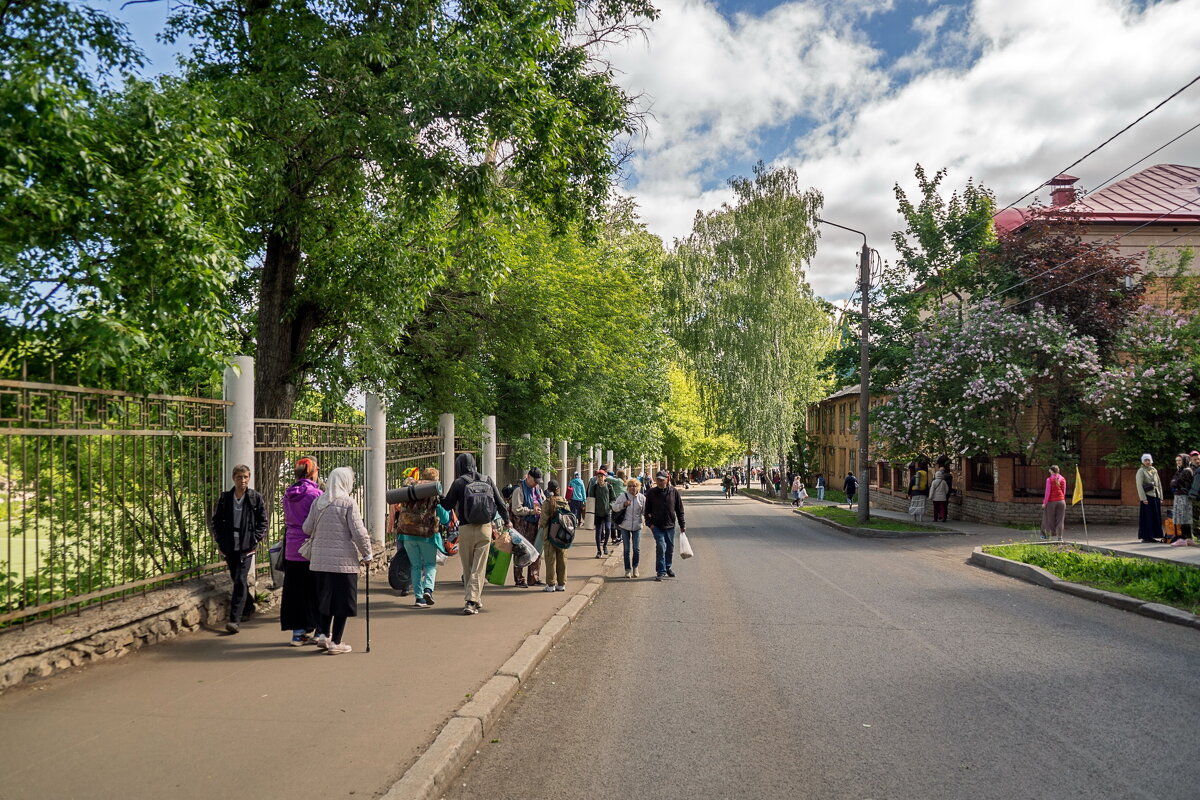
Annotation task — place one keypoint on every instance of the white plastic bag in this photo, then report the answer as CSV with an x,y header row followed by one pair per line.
x,y
684,546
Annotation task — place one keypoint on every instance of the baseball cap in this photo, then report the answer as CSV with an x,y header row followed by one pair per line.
x,y
662,473
535,473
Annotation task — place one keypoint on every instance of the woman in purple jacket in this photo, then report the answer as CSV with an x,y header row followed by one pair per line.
x,y
298,609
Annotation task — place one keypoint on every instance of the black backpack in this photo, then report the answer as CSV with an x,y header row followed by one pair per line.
x,y
479,502
561,530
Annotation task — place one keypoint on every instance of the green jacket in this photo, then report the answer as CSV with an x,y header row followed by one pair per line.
x,y
605,494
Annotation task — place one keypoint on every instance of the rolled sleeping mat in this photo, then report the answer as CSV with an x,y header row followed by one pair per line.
x,y
411,494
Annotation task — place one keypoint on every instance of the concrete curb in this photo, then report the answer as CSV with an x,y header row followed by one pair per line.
x,y
456,744
872,533
1028,572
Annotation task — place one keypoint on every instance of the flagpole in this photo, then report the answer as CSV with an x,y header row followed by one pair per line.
x,y
1083,510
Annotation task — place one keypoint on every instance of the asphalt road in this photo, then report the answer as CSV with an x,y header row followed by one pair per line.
x,y
791,661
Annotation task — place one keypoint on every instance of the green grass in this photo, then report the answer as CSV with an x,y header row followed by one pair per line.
x,y
850,518
1154,581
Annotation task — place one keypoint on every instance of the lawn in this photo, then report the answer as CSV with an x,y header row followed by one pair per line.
x,y
850,518
1154,581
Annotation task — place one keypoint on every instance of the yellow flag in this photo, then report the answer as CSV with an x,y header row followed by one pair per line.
x,y
1077,497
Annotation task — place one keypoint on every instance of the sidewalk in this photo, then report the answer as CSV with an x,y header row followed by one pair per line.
x,y
214,715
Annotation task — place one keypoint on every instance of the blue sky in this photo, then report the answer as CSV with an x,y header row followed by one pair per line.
x,y
854,93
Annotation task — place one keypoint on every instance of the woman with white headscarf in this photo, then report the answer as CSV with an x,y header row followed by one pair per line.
x,y
340,541
1149,489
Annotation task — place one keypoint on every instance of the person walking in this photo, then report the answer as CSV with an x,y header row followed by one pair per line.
x,y
663,510
422,551
939,495
850,489
633,503
298,607
604,495
820,483
476,508
340,543
239,523
1181,504
577,496
1054,504
797,486
526,507
555,556
918,491
1149,489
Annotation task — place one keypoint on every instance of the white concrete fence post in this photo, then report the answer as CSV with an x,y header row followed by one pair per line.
x,y
609,460
579,459
446,432
239,419
376,466
565,467
489,449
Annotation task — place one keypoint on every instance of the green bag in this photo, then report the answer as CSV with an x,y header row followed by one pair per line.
x,y
497,566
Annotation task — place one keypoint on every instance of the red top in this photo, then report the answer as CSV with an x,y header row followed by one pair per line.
x,y
1056,489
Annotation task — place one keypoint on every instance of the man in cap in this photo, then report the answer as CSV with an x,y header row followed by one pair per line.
x,y
604,492
526,506
664,509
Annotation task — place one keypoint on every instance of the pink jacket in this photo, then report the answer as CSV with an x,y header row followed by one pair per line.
x,y
1056,489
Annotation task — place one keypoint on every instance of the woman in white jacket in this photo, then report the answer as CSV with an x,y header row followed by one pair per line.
x,y
339,543
633,502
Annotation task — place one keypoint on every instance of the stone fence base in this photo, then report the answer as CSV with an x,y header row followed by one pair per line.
x,y
981,509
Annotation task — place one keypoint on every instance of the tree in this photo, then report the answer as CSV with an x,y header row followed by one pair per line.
x,y
1000,383
740,308
119,210
386,140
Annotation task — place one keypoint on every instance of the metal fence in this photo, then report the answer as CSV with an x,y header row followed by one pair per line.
x,y
102,494
981,474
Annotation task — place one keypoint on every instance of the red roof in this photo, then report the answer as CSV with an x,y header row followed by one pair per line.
x,y
1170,191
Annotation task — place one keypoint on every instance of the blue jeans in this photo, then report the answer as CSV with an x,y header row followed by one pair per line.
x,y
632,540
422,555
820,492
664,548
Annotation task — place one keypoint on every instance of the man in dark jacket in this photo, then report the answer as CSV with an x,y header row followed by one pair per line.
x,y
664,507
850,488
474,538
239,523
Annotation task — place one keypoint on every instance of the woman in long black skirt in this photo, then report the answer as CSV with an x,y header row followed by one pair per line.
x,y
340,542
298,608
1149,489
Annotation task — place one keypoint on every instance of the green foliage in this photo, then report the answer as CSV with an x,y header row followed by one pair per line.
x,y
740,308
687,440
1154,581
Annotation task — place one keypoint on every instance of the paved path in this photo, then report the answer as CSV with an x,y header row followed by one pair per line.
x,y
217,716
791,661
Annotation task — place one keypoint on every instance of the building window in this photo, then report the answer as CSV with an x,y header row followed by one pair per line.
x,y
854,461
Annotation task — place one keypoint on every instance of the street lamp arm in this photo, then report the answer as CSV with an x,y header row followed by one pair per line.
x,y
843,227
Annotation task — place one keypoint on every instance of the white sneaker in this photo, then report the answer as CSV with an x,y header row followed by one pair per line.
x,y
560,588
322,641
335,648
549,588
628,573
636,574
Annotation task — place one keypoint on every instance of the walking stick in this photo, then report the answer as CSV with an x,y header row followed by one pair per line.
x,y
368,606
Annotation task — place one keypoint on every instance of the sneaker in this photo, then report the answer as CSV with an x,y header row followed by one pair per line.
x,y
335,648
469,609
429,598
321,641
421,604
522,585
549,588
232,627
670,574
560,588
297,641
636,574
628,573
599,555
536,583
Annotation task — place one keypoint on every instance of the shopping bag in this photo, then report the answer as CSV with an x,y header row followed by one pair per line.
x,y
278,567
497,566
400,571
684,546
523,553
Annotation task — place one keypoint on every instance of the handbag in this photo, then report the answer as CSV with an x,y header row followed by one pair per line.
x,y
277,558
307,545
619,517
685,547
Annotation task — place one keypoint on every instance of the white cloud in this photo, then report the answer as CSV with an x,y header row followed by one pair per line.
x,y
1051,80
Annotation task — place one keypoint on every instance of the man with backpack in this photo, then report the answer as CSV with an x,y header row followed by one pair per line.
x,y
526,507
559,526
664,507
850,488
476,500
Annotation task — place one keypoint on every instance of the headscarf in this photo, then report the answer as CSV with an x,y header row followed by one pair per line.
x,y
339,484
1147,457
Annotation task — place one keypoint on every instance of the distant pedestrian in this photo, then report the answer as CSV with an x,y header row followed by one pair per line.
x,y
939,495
577,496
820,483
469,499
918,491
1194,492
239,523
850,489
664,510
340,543
1149,489
298,607
554,556
797,487
526,507
603,494
633,503
1054,504
1181,508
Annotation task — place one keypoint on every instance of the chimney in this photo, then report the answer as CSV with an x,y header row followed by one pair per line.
x,y
1062,190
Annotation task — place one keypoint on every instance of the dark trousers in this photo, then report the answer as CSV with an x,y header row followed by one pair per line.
x,y
241,604
602,532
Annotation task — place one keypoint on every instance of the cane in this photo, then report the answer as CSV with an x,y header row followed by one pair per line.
x,y
368,606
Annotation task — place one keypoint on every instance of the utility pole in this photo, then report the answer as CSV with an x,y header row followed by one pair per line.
x,y
864,391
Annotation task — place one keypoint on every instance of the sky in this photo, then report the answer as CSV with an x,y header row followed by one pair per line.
x,y
854,93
